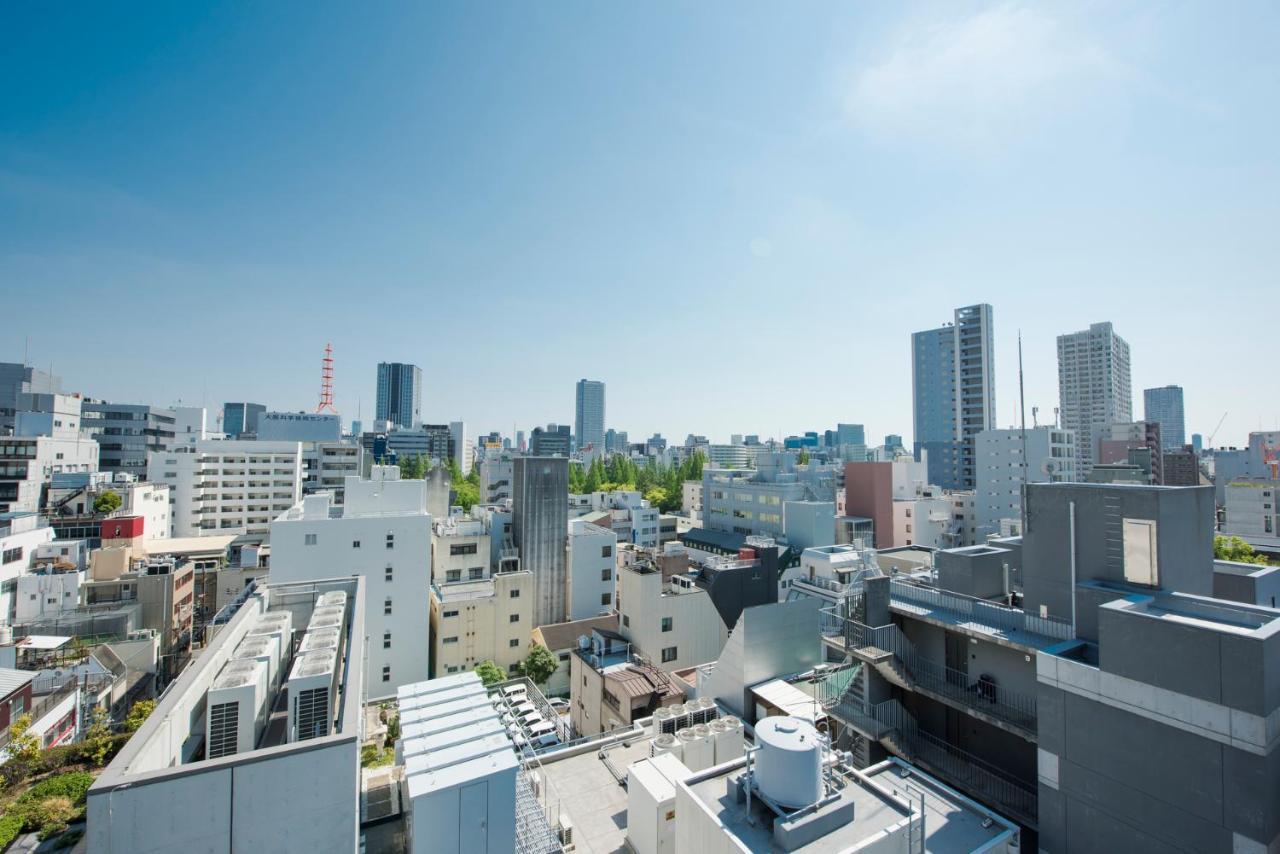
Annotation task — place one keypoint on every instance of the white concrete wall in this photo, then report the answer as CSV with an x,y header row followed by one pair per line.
x,y
697,632
588,587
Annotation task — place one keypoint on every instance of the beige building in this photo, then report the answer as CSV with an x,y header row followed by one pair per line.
x,y
485,620
164,588
610,689
669,620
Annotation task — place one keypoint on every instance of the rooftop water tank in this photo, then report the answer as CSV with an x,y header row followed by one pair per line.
x,y
788,765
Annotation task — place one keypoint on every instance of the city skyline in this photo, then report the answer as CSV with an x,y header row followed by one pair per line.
x,y
813,187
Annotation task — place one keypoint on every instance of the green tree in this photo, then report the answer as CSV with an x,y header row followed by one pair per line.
x,y
107,502
138,714
1236,549
97,741
539,664
24,745
577,477
803,458
490,673
414,468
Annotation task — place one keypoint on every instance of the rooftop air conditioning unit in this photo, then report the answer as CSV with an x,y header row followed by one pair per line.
x,y
280,630
235,709
262,648
326,639
312,695
325,621
329,611
564,831
333,597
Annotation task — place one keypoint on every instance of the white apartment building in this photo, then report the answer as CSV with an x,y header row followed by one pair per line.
x,y
475,621
382,533
632,518
731,456
1094,389
69,504
998,463
191,425
228,486
1251,509
21,535
924,520
691,495
45,594
673,624
47,441
464,449
593,560
460,550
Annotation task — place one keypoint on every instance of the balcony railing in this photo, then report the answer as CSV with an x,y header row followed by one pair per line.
x,y
982,611
955,687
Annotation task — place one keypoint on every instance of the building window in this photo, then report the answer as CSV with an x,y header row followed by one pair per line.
x,y
355,544
386,673
387,577
514,642
448,640
666,624
386,607
309,539
606,551
391,541
453,575
514,618
514,594
668,654
606,575
386,640
606,598
462,549
447,614
626,621
476,573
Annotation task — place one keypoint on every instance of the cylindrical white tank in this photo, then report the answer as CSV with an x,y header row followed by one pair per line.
x,y
729,740
667,743
662,721
788,765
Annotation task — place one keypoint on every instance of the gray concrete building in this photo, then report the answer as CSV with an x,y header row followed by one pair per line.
x,y
17,379
1082,679
539,527
1001,467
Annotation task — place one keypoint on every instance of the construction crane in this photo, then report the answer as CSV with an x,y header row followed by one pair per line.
x,y
1209,442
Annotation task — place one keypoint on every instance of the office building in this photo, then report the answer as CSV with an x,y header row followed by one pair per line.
x,y
1137,443
17,379
903,508
464,452
1252,512
753,502
223,486
299,427
539,525
589,415
553,441
48,444
488,619
496,473
399,394
1164,407
1001,468
1260,460
953,385
126,433
230,760
191,425
1181,467
631,518
1093,388
241,418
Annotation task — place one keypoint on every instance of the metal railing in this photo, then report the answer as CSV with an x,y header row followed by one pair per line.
x,y
982,611
970,690
892,724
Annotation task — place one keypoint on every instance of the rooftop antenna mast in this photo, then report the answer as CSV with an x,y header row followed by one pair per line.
x,y
1022,411
326,382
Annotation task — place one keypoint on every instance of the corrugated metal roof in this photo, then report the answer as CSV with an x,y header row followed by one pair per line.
x,y
12,680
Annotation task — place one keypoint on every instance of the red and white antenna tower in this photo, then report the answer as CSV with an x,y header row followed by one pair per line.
x,y
326,383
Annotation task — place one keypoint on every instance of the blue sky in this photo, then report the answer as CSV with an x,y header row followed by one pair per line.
x,y
733,214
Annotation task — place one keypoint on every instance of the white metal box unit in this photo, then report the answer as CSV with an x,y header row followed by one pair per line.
x,y
311,690
651,809
277,625
235,709
333,597
327,639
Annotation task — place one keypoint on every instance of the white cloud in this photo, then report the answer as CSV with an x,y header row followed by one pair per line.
x,y
978,79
